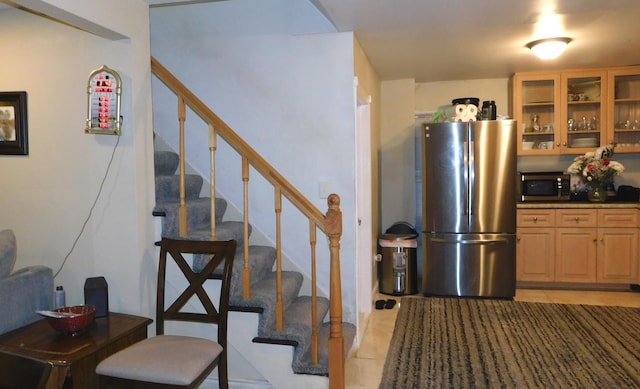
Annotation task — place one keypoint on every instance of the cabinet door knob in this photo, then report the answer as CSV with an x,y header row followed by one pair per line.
x,y
535,219
577,219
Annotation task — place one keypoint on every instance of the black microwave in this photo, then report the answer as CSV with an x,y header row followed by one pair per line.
x,y
545,186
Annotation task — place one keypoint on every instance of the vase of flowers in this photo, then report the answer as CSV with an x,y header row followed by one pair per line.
x,y
598,171
597,192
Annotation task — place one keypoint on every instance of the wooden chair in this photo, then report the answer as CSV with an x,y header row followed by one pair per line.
x,y
19,372
172,361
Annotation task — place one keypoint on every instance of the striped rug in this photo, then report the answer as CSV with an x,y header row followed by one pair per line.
x,y
480,343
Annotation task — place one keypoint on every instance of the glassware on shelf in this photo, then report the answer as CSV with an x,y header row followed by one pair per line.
x,y
571,125
582,126
535,123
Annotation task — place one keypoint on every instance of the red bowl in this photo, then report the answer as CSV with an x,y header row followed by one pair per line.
x,y
82,316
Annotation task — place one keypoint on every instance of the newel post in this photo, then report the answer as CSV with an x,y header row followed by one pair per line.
x,y
333,224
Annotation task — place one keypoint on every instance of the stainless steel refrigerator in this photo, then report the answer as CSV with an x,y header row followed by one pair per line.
x,y
469,208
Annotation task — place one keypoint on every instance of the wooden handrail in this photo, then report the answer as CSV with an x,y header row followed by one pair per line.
x,y
260,164
330,224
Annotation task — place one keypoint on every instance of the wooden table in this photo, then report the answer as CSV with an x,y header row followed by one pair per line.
x,y
74,358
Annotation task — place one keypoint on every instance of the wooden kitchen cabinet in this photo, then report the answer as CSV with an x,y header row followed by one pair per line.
x,y
536,108
576,246
576,111
535,255
581,246
583,97
617,246
575,254
624,111
535,245
617,255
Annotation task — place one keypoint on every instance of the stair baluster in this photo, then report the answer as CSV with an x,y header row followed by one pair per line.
x,y
314,295
279,304
183,203
246,274
212,180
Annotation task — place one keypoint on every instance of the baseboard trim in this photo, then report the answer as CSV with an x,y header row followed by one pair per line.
x,y
212,383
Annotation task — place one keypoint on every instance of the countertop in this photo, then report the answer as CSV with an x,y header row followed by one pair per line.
x,y
577,205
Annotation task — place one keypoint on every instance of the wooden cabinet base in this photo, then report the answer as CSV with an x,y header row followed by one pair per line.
x,y
578,286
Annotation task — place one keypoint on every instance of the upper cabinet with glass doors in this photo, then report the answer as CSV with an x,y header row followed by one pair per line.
x,y
624,109
536,101
575,111
583,111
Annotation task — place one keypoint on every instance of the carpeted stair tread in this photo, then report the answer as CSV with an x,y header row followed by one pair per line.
x,y
165,163
298,321
198,213
263,295
224,231
168,187
302,361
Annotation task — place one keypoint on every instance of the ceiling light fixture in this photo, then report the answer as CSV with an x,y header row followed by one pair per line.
x,y
548,48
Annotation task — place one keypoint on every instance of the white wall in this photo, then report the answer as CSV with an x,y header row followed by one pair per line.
x,y
47,196
283,80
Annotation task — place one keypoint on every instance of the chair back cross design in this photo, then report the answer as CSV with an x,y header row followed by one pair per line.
x,y
174,361
176,249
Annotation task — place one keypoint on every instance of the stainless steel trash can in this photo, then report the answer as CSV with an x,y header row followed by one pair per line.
x,y
398,264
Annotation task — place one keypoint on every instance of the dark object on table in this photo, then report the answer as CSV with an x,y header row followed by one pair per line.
x,y
74,319
96,293
579,196
628,193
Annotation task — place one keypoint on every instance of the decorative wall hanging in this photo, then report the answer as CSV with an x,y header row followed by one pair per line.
x,y
103,113
13,123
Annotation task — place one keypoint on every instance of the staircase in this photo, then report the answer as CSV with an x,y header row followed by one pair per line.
x,y
284,316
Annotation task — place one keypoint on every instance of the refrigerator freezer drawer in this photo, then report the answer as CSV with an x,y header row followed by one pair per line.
x,y
469,265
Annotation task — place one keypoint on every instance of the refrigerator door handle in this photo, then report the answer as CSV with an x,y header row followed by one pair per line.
x,y
465,151
469,241
471,168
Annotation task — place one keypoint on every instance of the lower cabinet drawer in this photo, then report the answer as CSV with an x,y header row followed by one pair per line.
x,y
576,218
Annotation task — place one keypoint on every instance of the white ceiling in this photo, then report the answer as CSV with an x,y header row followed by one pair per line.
x,y
437,40
440,40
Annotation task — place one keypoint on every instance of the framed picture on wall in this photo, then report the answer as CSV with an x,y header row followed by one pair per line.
x,y
13,123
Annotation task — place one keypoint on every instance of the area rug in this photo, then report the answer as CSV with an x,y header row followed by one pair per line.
x,y
482,343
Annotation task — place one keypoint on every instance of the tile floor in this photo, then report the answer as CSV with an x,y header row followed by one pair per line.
x,y
364,365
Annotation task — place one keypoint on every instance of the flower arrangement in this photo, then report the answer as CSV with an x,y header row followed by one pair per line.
x,y
597,167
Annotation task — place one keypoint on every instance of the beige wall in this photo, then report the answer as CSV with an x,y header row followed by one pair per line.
x,y
369,85
397,184
430,96
47,196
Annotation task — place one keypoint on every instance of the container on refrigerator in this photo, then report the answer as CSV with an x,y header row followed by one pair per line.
x,y
469,208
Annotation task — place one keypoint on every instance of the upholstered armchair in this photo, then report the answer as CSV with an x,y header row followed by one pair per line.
x,y
24,291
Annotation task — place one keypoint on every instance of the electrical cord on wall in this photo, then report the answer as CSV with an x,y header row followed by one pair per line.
x,y
75,242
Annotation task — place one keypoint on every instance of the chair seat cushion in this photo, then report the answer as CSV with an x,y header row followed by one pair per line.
x,y
167,359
